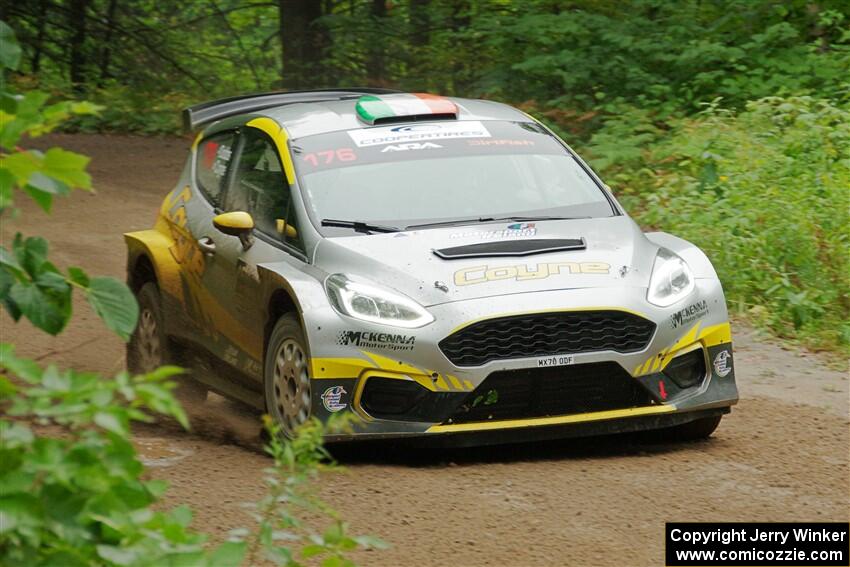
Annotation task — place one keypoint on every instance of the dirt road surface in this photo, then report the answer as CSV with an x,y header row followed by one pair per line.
x,y
782,455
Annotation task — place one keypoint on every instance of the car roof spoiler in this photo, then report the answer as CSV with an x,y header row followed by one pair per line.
x,y
206,112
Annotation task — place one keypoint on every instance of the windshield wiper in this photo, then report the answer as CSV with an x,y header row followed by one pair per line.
x,y
537,218
490,219
359,226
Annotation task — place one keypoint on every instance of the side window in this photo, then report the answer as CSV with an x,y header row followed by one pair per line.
x,y
259,187
211,164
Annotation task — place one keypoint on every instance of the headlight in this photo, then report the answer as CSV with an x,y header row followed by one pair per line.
x,y
375,304
671,279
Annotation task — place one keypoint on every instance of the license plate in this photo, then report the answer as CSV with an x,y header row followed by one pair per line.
x,y
557,360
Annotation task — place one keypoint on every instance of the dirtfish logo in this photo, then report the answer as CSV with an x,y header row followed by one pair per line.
x,y
332,399
688,314
370,339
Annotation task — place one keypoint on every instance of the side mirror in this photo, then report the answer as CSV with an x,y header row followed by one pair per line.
x,y
237,223
284,229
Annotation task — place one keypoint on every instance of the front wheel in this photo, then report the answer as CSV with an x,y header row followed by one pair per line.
x,y
695,430
286,375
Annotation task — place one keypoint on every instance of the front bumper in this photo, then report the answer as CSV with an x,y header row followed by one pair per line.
x,y
428,394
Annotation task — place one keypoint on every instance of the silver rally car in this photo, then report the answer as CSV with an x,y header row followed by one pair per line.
x,y
444,268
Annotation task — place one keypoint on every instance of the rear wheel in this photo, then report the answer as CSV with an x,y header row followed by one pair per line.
x,y
286,375
148,348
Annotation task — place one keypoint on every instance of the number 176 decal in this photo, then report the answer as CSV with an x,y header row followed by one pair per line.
x,y
327,157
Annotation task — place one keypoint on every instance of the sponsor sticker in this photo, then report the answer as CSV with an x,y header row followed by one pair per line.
x,y
332,399
688,314
367,137
370,339
723,363
518,230
556,360
524,272
411,146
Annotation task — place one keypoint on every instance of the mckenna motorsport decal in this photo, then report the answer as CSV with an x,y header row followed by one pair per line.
x,y
411,146
418,133
519,230
688,314
331,399
370,339
523,272
723,363
557,360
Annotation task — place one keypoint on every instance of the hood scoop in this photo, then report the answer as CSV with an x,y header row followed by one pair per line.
x,y
524,247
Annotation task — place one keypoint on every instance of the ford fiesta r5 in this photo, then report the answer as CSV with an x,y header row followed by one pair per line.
x,y
444,268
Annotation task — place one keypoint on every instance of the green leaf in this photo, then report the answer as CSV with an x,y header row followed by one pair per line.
x,y
111,422
230,553
115,304
41,198
312,550
48,313
19,511
10,51
7,182
79,276
7,388
8,260
67,167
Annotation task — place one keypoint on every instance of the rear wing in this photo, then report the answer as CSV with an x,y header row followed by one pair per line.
x,y
202,114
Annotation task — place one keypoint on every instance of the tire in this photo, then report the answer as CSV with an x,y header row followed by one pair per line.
x,y
695,430
148,348
286,375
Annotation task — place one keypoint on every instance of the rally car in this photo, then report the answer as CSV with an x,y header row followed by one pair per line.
x,y
442,267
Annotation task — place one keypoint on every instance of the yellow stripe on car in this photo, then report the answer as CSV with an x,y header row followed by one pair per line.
x,y
541,421
280,137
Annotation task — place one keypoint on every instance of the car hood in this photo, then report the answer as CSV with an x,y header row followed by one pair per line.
x,y
615,253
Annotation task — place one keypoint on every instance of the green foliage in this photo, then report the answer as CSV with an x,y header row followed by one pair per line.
x,y
80,498
289,483
764,192
30,285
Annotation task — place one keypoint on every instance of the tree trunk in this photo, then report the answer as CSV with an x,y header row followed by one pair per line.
x,y
38,47
77,23
302,43
106,50
420,21
375,63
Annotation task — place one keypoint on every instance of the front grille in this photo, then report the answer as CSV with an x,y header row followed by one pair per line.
x,y
544,334
555,391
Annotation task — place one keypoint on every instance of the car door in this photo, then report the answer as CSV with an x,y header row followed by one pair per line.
x,y
200,203
256,185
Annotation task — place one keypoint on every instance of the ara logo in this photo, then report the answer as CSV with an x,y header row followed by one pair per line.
x,y
332,399
411,146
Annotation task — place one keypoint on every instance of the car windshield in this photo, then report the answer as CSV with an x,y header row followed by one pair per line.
x,y
400,176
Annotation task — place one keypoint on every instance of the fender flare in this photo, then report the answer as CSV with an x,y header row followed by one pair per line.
x,y
157,248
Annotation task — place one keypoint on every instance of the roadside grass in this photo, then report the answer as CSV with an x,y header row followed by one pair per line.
x,y
765,192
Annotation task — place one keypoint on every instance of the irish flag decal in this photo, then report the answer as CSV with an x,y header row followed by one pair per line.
x,y
375,108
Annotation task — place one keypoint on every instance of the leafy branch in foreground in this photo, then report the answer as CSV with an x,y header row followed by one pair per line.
x,y
297,463
80,498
